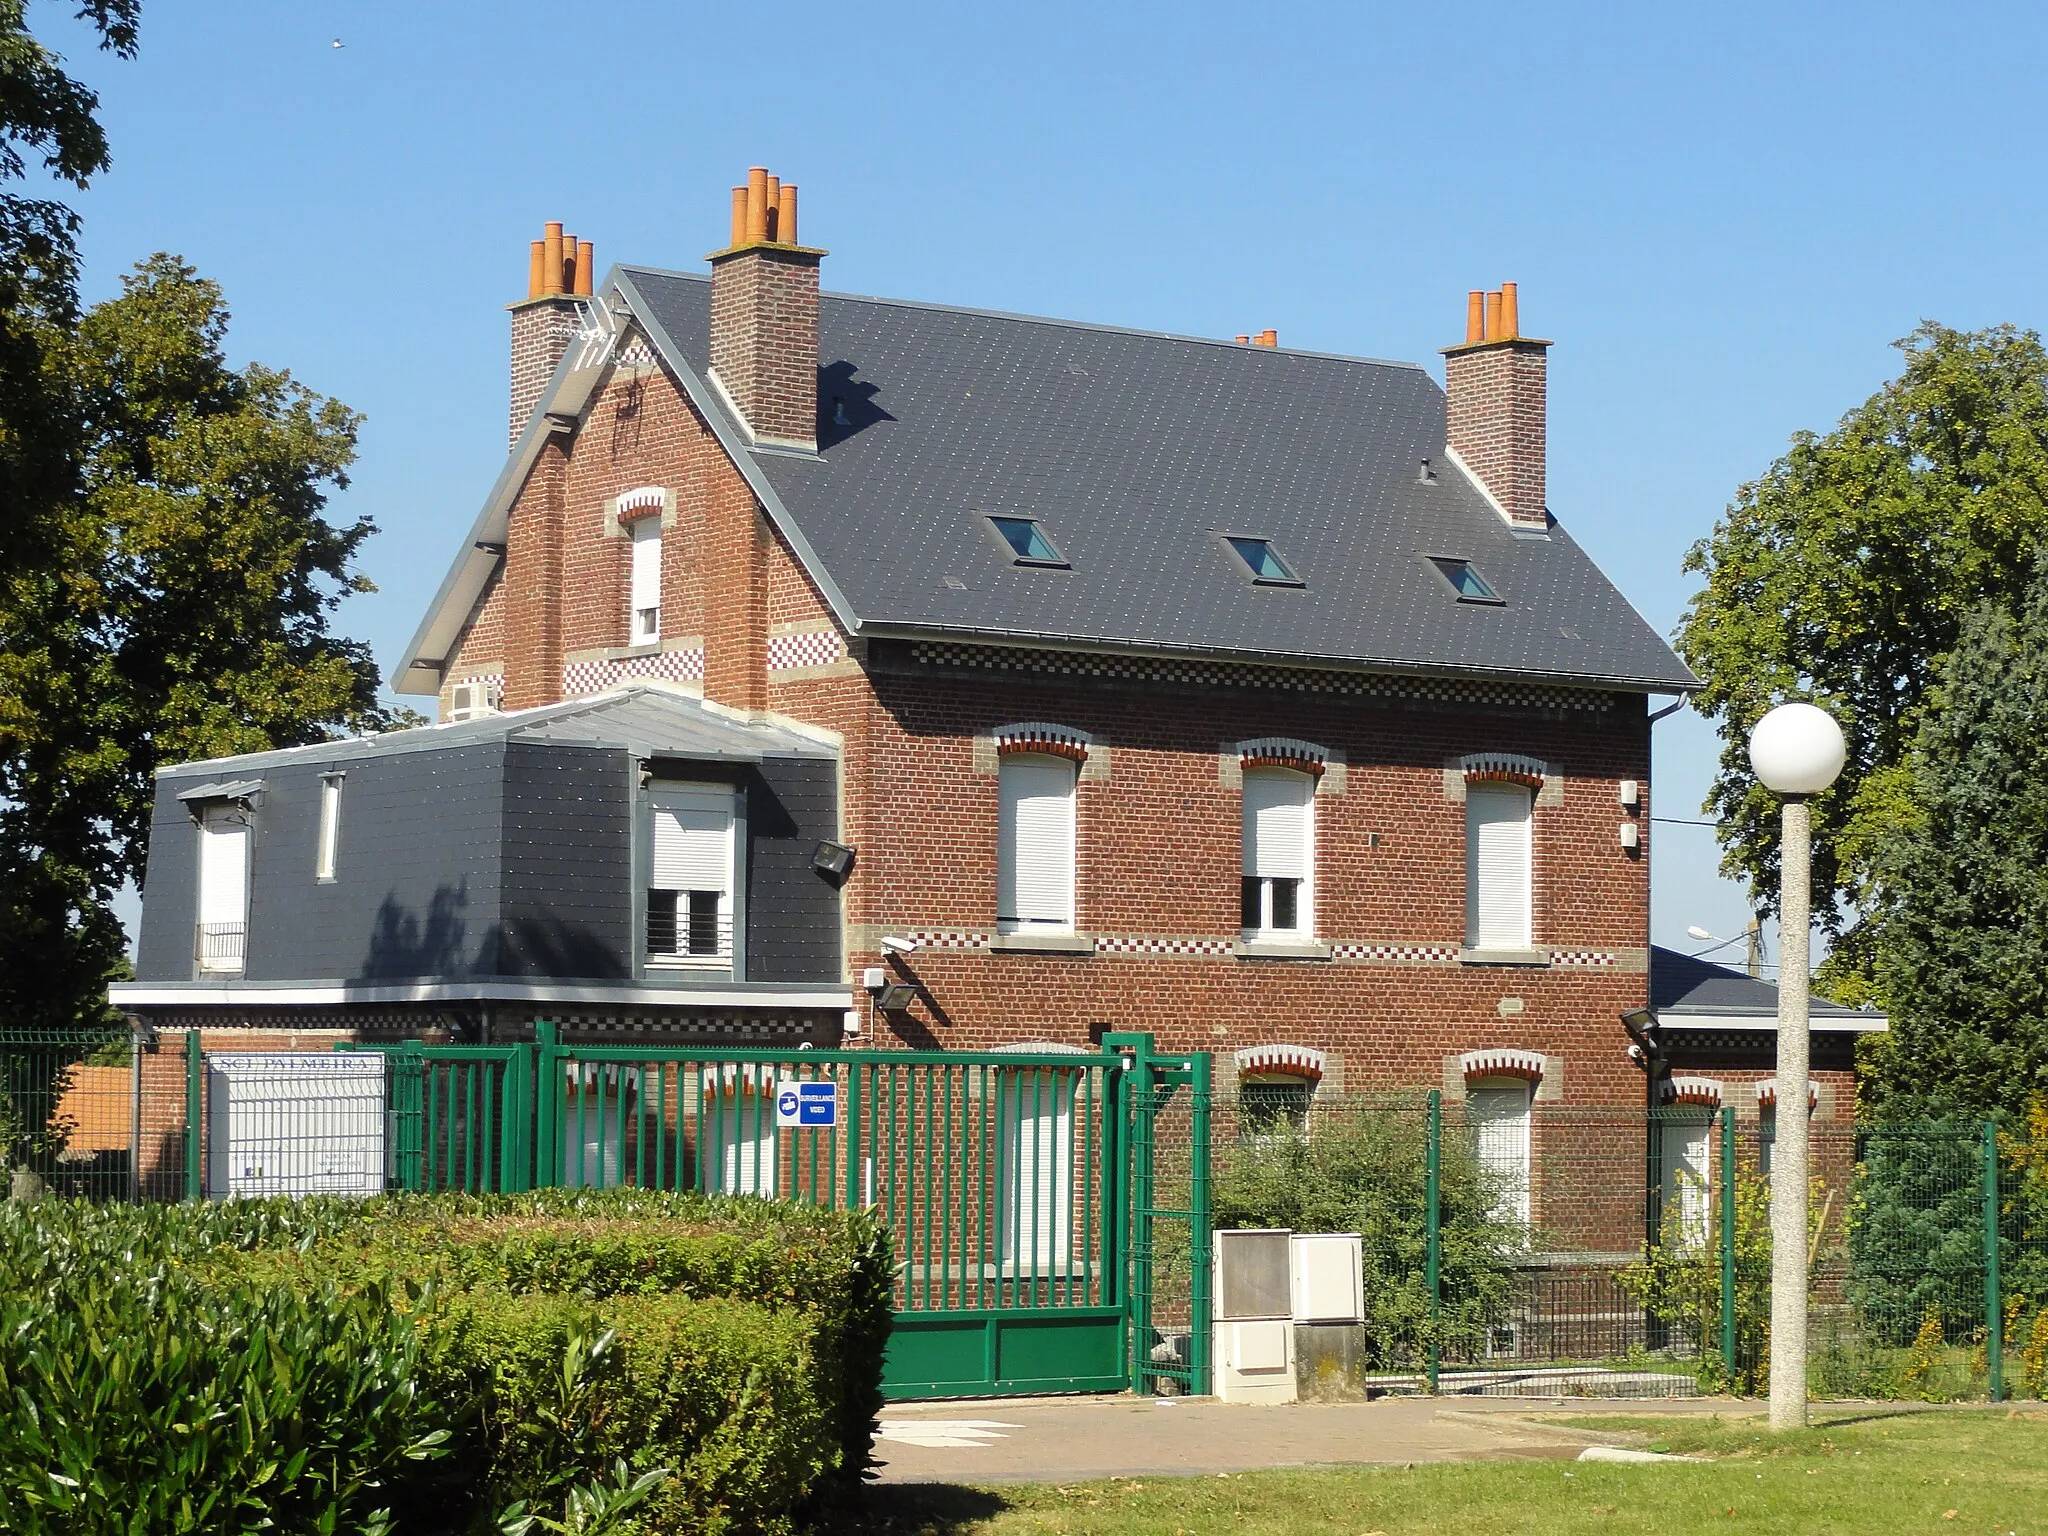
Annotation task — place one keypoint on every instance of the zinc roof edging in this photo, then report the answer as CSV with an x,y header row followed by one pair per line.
x,y
490,519
741,454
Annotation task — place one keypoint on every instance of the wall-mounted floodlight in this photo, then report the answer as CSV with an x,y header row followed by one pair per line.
x,y
895,998
833,860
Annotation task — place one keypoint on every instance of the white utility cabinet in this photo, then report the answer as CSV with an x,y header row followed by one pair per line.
x,y
1327,1274
291,1124
1254,1345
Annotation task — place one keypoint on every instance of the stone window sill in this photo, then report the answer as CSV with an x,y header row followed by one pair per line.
x,y
1042,944
1527,957
1278,949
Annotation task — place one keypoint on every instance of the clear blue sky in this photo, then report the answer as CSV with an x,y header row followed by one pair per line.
x,y
1723,215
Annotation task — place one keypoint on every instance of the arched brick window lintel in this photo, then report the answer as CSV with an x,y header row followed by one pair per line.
x,y
1704,1091
1527,1065
1283,752
1042,736
1504,768
1289,1060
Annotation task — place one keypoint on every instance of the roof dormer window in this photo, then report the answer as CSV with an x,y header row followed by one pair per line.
x,y
1470,586
1026,541
1263,561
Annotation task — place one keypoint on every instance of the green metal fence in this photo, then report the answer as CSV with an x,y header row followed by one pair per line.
x,y
1622,1253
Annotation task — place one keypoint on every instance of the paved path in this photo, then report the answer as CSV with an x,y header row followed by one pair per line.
x,y
1070,1439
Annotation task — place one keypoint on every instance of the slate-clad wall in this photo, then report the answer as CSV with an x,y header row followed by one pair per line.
x,y
415,891
792,910
568,861
415,888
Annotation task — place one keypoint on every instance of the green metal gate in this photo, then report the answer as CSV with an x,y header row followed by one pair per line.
x,y
1018,1185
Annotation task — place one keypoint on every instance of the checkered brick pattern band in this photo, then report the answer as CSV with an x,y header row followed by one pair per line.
x,y
1148,944
636,354
708,1025
586,677
948,939
1399,954
1222,674
1582,957
812,648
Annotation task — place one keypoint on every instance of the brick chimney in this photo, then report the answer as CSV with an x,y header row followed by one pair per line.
x,y
764,316
559,269
1496,406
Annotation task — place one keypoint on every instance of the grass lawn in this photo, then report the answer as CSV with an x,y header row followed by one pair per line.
x,y
1939,1472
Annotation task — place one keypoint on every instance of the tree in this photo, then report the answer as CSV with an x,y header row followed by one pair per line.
x,y
1960,925
182,611
1843,575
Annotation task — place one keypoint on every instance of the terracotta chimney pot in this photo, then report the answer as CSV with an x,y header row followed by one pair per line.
x,y
586,266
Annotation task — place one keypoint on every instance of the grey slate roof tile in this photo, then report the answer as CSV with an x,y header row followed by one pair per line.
x,y
1136,451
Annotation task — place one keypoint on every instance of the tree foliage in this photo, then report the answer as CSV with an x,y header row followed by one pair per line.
x,y
167,573
1844,575
1960,925
182,612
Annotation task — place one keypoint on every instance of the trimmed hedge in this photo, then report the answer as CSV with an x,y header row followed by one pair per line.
x,y
537,1340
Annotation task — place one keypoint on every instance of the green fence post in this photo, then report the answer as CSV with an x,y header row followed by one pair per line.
x,y
195,1105
1728,1243
412,1117
852,1138
547,1104
1432,1220
1198,1226
1994,1303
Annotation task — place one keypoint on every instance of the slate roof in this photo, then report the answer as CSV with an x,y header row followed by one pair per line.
x,y
1686,989
1137,451
645,718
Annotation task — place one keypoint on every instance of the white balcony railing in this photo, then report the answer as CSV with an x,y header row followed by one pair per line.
x,y
219,947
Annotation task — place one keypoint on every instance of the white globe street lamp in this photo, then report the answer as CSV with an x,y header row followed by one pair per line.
x,y
1796,751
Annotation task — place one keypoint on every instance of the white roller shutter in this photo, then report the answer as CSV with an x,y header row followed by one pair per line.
x,y
1497,866
223,868
1035,852
1499,1117
646,583
1276,824
692,842
1686,1154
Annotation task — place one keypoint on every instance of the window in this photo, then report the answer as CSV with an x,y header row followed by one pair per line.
x,y
1470,586
1035,845
1498,1111
1279,853
1026,540
644,600
223,889
1264,562
1766,1137
689,882
330,826
595,1112
738,1128
1685,1169
1037,1138
1497,866
1272,1106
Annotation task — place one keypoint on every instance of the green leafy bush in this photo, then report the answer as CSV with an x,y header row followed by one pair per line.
x,y
314,1362
134,1397
1678,1283
1363,1169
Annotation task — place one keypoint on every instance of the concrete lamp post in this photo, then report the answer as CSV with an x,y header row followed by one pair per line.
x,y
1796,751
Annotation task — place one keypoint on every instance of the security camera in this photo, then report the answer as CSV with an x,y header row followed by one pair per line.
x,y
1635,1054
897,946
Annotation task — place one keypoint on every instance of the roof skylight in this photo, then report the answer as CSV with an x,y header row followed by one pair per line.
x,y
1026,541
1264,562
1470,586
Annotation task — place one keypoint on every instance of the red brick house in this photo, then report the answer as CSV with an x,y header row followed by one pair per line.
x,y
1245,695
1029,678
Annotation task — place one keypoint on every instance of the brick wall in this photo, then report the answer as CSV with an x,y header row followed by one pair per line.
x,y
1495,418
1158,814
541,329
764,338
